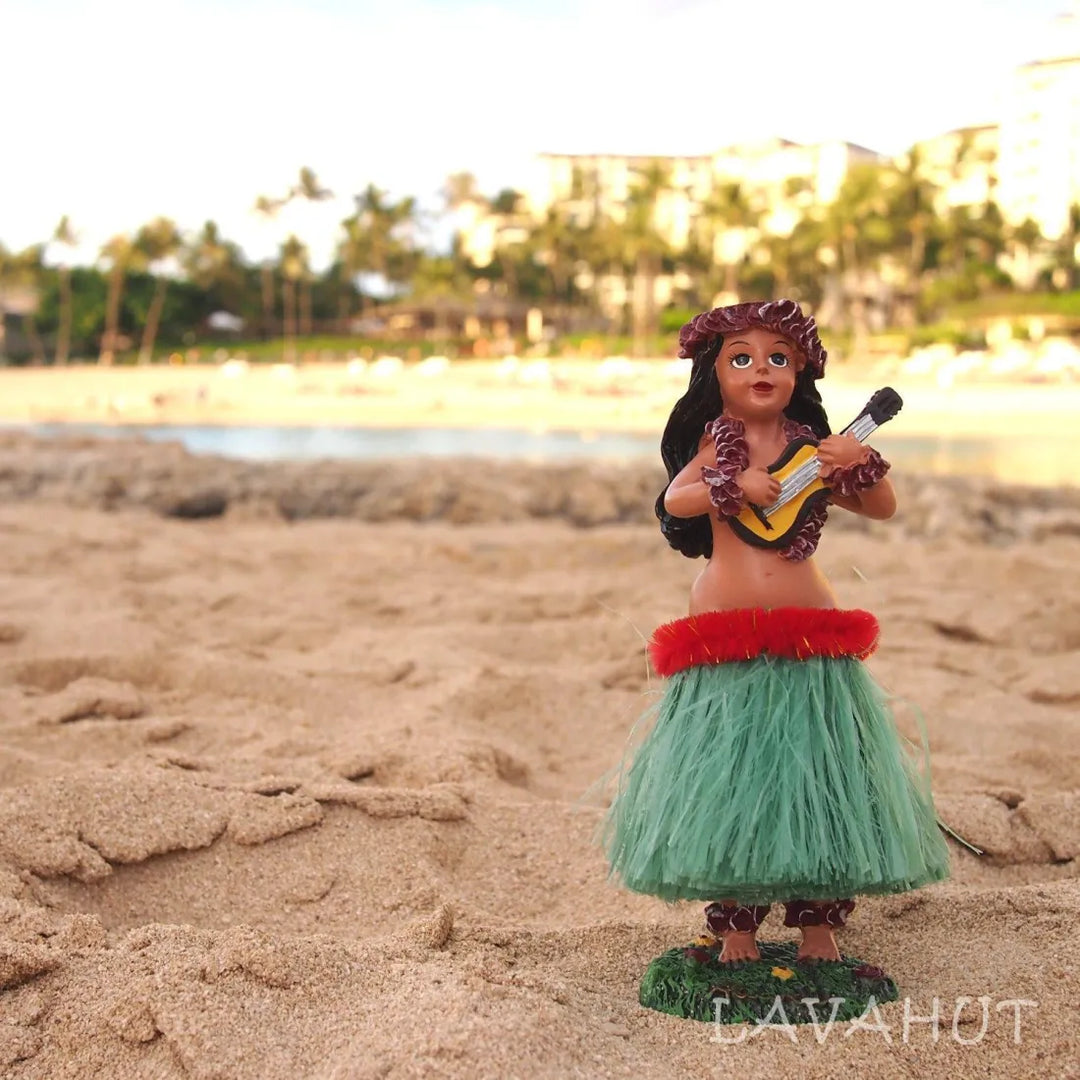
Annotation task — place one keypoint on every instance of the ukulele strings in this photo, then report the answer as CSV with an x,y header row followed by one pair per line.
x,y
861,428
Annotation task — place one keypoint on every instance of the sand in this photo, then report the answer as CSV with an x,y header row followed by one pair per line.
x,y
306,799
560,395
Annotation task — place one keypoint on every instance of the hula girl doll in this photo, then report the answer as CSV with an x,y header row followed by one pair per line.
x,y
773,771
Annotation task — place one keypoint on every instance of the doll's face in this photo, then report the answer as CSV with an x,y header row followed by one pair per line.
x,y
756,370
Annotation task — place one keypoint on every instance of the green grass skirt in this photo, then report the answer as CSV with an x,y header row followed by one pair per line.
x,y
772,779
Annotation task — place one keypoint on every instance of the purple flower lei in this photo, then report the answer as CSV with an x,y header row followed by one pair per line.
x,y
732,457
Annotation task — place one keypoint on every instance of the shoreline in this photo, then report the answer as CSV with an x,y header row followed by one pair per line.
x,y
170,481
566,396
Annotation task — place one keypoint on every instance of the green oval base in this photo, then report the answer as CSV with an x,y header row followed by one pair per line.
x,y
683,986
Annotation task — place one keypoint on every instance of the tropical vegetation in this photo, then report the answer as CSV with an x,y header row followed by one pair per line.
x,y
880,255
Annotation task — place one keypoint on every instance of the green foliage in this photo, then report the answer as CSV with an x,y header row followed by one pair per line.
x,y
88,288
958,334
506,202
1004,304
885,252
673,319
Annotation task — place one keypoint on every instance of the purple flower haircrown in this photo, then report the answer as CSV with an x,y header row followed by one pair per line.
x,y
783,316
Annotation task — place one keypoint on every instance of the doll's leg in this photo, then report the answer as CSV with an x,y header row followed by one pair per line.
x,y
736,924
817,919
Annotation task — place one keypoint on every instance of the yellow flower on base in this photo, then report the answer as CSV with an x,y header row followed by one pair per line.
x,y
782,972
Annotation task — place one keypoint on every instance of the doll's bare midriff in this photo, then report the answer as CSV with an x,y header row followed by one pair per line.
x,y
740,576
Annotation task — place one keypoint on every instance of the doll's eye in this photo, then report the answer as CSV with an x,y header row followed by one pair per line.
x,y
778,359
741,360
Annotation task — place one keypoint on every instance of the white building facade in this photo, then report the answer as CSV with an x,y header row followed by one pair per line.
x,y
1039,160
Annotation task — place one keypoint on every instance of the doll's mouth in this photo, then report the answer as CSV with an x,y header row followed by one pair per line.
x,y
762,387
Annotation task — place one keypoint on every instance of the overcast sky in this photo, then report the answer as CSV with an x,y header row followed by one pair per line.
x,y
118,110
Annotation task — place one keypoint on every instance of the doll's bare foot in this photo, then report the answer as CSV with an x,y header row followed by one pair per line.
x,y
817,920
738,946
818,943
736,924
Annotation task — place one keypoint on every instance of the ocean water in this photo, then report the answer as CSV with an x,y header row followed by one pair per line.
x,y
1042,461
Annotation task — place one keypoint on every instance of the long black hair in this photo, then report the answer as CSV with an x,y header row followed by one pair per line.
x,y
682,437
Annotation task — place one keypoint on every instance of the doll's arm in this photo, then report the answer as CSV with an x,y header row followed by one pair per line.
x,y
855,475
687,496
863,488
877,502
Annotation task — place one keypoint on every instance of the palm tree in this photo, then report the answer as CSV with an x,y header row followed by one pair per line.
x,y
506,209
120,254
24,271
1066,249
727,216
912,222
373,241
460,190
268,209
293,260
156,243
213,264
309,189
602,248
64,235
645,247
857,229
551,242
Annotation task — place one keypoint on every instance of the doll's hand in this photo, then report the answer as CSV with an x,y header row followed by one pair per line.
x,y
759,485
840,451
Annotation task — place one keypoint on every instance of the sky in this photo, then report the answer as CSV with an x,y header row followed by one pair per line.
x,y
116,111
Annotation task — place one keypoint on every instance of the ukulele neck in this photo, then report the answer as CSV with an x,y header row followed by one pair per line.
x,y
862,427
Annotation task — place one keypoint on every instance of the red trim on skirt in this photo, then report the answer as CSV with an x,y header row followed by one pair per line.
x,y
719,637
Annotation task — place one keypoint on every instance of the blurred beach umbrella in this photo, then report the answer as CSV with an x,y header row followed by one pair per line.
x,y
234,369
223,320
432,366
387,367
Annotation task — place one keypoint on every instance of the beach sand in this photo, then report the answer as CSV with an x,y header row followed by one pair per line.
x,y
563,394
307,799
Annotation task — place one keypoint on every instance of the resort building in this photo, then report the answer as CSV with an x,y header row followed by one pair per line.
x,y
783,179
591,186
1039,161
776,178
726,201
962,164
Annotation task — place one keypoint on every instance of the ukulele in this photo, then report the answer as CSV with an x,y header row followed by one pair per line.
x,y
801,488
